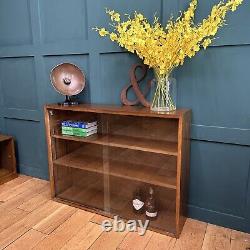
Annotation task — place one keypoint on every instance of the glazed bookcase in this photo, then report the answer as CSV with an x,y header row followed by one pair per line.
x,y
133,148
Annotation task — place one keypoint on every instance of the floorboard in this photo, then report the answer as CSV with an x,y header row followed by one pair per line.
x,y
109,240
66,231
8,218
12,184
27,241
192,236
29,219
160,242
217,238
240,241
134,241
85,238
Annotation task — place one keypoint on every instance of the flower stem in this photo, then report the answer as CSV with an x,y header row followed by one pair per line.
x,y
162,100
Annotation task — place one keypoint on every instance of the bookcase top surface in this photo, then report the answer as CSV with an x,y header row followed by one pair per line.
x,y
5,137
119,110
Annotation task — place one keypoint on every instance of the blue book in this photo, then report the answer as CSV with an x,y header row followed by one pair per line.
x,y
79,124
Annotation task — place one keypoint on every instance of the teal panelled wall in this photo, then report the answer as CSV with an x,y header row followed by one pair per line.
x,y
35,35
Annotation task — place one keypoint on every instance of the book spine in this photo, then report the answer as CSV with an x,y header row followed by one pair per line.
x,y
67,131
87,125
82,129
84,125
80,132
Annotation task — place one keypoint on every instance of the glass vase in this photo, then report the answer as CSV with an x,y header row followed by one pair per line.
x,y
165,93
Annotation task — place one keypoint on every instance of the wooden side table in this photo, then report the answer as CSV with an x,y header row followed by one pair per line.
x,y
7,159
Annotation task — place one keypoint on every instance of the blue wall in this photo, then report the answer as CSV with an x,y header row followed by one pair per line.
x,y
35,35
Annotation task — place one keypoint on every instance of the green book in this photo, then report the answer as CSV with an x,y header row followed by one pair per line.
x,y
78,131
67,131
83,133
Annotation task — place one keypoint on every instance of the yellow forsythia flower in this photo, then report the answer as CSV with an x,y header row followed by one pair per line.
x,y
103,32
116,17
206,42
164,48
113,37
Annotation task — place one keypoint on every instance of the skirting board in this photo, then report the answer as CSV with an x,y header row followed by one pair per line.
x,y
220,219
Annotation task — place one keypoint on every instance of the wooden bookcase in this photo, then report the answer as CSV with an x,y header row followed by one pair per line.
x,y
133,148
7,159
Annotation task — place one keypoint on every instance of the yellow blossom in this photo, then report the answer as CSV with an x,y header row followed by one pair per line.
x,y
113,37
103,32
116,17
164,48
206,42
140,17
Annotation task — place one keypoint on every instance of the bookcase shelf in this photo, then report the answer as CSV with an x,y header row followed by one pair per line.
x,y
93,200
133,148
141,144
81,160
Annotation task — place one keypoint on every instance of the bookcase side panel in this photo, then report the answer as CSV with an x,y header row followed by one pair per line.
x,y
183,171
49,148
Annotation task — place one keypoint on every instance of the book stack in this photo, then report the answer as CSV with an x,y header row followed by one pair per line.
x,y
79,128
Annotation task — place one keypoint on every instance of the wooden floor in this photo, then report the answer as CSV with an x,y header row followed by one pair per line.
x,y
30,220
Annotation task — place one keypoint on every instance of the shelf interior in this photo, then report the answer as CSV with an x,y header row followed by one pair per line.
x,y
120,200
6,157
80,186
143,167
138,133
165,202
140,144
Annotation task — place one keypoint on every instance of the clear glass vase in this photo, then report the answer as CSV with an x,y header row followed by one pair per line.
x,y
165,93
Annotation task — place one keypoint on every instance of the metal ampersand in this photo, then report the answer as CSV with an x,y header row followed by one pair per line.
x,y
134,83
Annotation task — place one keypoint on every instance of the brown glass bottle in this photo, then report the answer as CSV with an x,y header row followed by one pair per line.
x,y
150,206
138,201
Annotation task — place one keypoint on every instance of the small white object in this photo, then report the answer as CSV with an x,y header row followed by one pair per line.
x,y
137,204
151,215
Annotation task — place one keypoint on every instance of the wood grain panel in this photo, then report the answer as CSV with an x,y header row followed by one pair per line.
x,y
134,241
27,241
239,240
217,238
109,240
85,238
192,236
33,183
34,202
65,232
25,200
12,184
160,242
9,218
11,233
55,219
39,214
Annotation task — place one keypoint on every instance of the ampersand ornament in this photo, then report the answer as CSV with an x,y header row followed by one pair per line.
x,y
134,83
